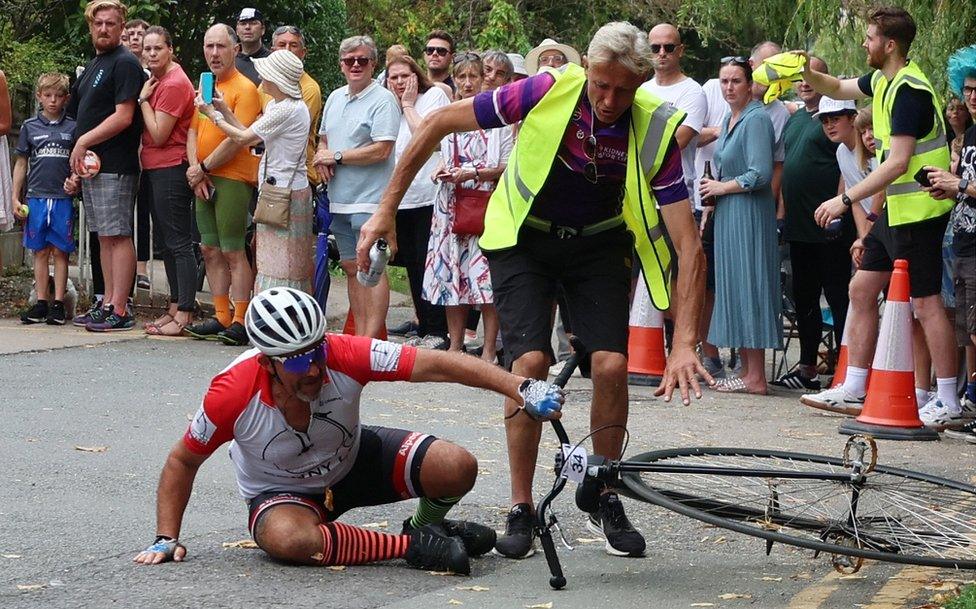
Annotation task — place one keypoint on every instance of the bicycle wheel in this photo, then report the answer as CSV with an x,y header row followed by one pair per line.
x,y
806,500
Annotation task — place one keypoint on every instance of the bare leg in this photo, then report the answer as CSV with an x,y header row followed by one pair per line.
x,y
60,273
938,334
218,274
923,362
108,274
40,273
862,322
377,304
489,316
241,277
457,317
357,296
754,370
708,349
448,470
522,433
609,406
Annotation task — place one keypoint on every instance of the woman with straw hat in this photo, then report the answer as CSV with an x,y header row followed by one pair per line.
x,y
284,255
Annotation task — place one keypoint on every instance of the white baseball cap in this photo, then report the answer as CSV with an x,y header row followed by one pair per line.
x,y
829,105
518,63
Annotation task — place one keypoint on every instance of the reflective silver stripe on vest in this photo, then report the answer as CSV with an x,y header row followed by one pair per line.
x,y
771,73
905,188
655,133
522,187
656,232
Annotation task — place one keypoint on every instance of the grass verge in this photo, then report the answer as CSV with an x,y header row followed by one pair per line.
x,y
965,600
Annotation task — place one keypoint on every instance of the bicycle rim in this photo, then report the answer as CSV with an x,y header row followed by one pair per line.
x,y
902,516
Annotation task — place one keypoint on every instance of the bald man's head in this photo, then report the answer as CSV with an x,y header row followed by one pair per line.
x,y
762,51
666,48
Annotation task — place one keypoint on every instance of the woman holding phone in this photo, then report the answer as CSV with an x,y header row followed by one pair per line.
x,y
166,104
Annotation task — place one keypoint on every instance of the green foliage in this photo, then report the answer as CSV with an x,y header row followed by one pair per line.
x,y
965,600
503,29
24,61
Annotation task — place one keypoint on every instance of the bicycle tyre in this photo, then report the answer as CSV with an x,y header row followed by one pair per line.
x,y
897,520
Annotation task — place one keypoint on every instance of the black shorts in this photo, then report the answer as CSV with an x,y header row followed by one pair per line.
x,y
387,470
593,274
920,243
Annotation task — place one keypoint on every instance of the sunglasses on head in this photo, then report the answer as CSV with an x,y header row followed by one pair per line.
x,y
736,59
469,56
668,48
439,51
300,363
357,61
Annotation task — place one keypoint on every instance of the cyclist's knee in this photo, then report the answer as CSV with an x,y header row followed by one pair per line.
x,y
607,366
534,364
289,533
451,471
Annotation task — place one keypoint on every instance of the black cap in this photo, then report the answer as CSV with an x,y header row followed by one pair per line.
x,y
250,14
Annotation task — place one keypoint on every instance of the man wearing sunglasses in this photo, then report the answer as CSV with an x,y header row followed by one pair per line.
x,y
595,158
290,410
439,57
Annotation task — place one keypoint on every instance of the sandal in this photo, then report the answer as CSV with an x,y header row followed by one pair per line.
x,y
161,330
735,385
164,319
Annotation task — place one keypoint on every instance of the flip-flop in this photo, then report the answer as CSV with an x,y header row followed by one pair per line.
x,y
164,319
158,330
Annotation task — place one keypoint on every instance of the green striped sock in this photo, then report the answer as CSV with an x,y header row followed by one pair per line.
x,y
431,511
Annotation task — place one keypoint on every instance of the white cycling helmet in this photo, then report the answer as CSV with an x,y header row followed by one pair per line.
x,y
284,320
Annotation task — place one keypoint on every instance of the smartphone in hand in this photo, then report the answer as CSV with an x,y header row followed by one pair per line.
x,y
207,85
922,177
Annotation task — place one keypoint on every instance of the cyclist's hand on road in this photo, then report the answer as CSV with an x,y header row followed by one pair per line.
x,y
541,400
162,550
682,372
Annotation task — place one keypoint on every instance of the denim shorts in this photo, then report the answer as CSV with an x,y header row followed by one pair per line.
x,y
346,227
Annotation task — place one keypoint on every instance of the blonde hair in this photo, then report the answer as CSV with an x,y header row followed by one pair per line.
x,y
623,43
53,80
863,120
100,5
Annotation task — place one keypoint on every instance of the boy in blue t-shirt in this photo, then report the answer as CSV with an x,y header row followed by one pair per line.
x,y
42,162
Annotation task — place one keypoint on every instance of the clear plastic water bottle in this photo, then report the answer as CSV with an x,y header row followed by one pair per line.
x,y
379,255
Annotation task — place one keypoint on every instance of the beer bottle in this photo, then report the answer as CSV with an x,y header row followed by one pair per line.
x,y
708,201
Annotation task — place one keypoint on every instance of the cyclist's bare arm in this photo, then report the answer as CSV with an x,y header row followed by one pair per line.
x,y
172,496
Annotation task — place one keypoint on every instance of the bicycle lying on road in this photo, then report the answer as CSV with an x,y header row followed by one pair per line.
x,y
849,507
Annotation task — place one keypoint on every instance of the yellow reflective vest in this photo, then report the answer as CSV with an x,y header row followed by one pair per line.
x,y
652,127
906,201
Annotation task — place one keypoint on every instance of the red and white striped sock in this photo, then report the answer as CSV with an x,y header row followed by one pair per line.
x,y
343,544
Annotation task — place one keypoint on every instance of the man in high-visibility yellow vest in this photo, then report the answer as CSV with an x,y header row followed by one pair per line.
x,y
595,171
910,133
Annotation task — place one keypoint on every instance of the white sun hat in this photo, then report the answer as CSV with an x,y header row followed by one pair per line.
x,y
532,59
284,69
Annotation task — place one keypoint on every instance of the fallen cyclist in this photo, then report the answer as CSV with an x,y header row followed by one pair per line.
x,y
290,409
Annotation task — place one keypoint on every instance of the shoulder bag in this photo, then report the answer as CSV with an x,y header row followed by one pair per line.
x,y
470,205
274,202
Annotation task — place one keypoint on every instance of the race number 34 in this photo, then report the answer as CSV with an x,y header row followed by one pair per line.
x,y
574,463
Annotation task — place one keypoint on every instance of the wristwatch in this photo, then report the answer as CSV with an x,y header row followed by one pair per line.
x,y
847,200
963,185
337,157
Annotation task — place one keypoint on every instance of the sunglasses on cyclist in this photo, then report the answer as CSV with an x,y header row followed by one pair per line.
x,y
668,48
300,363
439,51
357,61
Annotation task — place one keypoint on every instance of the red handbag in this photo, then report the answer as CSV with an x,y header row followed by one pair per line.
x,y
470,205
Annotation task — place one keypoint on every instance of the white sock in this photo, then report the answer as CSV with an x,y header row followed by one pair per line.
x,y
921,396
855,381
946,391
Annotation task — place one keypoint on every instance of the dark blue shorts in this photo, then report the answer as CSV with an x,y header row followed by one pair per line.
x,y
49,222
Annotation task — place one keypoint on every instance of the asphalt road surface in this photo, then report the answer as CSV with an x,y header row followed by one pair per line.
x,y
71,519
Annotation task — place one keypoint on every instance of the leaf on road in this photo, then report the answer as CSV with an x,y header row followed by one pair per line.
x,y
92,449
29,586
588,540
853,577
540,606
454,601
772,579
337,568
440,573
376,525
10,555
245,544
472,588
731,596
703,604
719,539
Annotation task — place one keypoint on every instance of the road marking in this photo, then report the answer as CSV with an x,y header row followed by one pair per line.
x,y
901,587
812,596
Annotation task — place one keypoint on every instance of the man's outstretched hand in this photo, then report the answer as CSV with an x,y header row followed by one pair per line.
x,y
682,372
162,550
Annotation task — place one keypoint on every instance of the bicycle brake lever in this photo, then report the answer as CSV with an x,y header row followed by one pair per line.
x,y
554,524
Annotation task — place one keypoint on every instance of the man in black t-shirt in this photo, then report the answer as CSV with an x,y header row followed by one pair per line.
x,y
910,130
103,102
250,30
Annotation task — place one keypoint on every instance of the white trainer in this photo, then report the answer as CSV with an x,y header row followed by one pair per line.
x,y
834,400
937,416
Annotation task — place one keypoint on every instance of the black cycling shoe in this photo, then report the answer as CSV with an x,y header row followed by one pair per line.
x,y
477,539
235,335
519,533
207,329
431,550
610,522
588,495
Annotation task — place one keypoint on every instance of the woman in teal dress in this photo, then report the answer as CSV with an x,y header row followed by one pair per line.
x,y
747,287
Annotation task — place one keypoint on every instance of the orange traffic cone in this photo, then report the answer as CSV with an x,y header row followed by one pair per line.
x,y
350,326
890,411
645,344
840,368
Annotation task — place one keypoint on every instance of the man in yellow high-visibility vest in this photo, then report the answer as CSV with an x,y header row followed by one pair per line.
x,y
595,159
909,131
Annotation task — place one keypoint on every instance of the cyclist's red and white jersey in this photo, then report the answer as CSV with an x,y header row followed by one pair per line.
x,y
268,454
